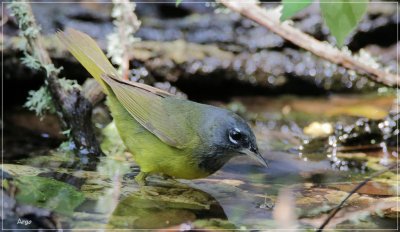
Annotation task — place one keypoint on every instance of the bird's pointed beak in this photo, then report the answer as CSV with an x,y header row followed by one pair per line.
x,y
255,154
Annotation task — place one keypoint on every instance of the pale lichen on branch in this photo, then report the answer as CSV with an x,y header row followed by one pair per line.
x,y
41,100
59,95
121,41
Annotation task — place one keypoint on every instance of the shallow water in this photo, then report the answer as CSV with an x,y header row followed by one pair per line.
x,y
308,175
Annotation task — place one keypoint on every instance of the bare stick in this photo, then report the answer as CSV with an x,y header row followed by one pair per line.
x,y
271,20
359,186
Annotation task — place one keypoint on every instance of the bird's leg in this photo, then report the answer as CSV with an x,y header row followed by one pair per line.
x,y
144,188
141,178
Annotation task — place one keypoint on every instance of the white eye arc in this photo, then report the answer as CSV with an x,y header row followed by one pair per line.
x,y
232,140
236,132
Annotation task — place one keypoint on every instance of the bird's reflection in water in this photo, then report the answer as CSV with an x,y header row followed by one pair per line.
x,y
164,207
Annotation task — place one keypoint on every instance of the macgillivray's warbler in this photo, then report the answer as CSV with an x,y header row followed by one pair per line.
x,y
166,134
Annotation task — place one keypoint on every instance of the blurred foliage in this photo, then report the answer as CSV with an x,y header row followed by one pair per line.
x,y
112,143
178,2
341,17
291,7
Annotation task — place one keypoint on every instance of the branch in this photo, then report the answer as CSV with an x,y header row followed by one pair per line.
x,y
271,20
359,186
120,42
73,108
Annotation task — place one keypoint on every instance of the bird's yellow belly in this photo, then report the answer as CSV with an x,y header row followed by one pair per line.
x,y
151,154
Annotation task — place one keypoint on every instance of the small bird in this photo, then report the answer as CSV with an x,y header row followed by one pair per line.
x,y
166,134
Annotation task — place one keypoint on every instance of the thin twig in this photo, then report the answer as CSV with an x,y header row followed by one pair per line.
x,y
359,186
271,20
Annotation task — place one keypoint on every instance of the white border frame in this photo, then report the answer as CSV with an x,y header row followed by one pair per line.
x,y
173,2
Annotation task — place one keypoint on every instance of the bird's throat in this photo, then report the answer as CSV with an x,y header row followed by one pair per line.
x,y
212,163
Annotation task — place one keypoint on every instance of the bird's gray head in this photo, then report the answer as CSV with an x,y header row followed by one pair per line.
x,y
229,135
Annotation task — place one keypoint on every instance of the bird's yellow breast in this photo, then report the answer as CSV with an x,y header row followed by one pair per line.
x,y
153,155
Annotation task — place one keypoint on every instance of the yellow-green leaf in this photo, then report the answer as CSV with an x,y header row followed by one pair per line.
x,y
291,7
342,16
178,2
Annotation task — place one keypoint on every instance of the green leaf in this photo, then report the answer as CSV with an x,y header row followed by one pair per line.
x,y
342,16
49,194
291,7
178,2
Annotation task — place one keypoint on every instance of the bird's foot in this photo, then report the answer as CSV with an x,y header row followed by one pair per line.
x,y
155,186
143,185
169,182
149,190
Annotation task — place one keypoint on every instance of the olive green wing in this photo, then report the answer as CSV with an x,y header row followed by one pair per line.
x,y
155,111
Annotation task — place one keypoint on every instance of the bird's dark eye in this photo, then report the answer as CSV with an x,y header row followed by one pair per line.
x,y
235,136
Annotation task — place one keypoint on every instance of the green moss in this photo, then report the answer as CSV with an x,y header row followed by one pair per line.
x,y
48,193
214,223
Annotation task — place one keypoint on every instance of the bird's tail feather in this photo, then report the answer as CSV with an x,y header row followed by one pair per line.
x,y
88,53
